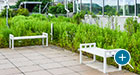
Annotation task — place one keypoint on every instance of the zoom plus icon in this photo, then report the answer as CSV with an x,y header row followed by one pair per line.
x,y
123,58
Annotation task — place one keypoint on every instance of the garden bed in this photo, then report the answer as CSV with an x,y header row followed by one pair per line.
x,y
69,34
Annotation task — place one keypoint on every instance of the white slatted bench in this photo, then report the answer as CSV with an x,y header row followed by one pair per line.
x,y
12,38
92,49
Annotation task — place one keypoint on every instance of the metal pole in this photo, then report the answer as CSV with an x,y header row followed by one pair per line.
x,y
67,8
103,7
135,8
90,5
80,4
77,6
7,6
51,31
123,7
7,17
40,8
73,6
117,5
25,5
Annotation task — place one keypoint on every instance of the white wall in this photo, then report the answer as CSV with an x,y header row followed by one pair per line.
x,y
104,21
1,6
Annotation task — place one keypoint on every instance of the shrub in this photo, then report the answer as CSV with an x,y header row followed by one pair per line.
x,y
23,11
59,9
139,15
38,16
131,25
12,13
100,13
78,16
3,13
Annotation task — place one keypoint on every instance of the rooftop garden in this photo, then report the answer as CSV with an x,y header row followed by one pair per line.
x,y
70,32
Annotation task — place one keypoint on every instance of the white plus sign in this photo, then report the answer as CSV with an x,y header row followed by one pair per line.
x,y
122,57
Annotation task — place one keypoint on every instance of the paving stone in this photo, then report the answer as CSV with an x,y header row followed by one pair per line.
x,y
121,73
63,59
91,72
23,59
18,74
6,66
30,68
43,61
10,53
37,58
71,74
31,54
43,72
51,65
25,63
129,74
11,56
50,52
25,51
70,63
56,55
80,68
2,57
60,71
11,71
4,61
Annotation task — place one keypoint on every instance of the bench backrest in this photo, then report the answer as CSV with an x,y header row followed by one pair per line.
x,y
45,34
11,36
87,45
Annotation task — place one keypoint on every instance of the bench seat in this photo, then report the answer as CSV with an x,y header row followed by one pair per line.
x,y
12,38
29,37
92,49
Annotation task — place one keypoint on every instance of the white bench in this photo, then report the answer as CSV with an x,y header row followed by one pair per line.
x,y
92,49
12,38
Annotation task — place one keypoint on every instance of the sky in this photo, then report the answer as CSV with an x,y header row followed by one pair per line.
x,y
111,2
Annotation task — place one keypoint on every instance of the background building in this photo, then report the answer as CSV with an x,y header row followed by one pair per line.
x,y
11,2
123,7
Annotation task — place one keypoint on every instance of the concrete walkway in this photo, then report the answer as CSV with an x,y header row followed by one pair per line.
x,y
52,60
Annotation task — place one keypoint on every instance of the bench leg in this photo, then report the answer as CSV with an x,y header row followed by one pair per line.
x,y
80,57
94,57
47,41
120,67
9,43
43,41
104,64
12,43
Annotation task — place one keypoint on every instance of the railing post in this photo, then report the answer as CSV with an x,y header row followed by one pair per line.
x,y
80,57
47,40
90,5
51,31
135,1
105,63
12,43
103,8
